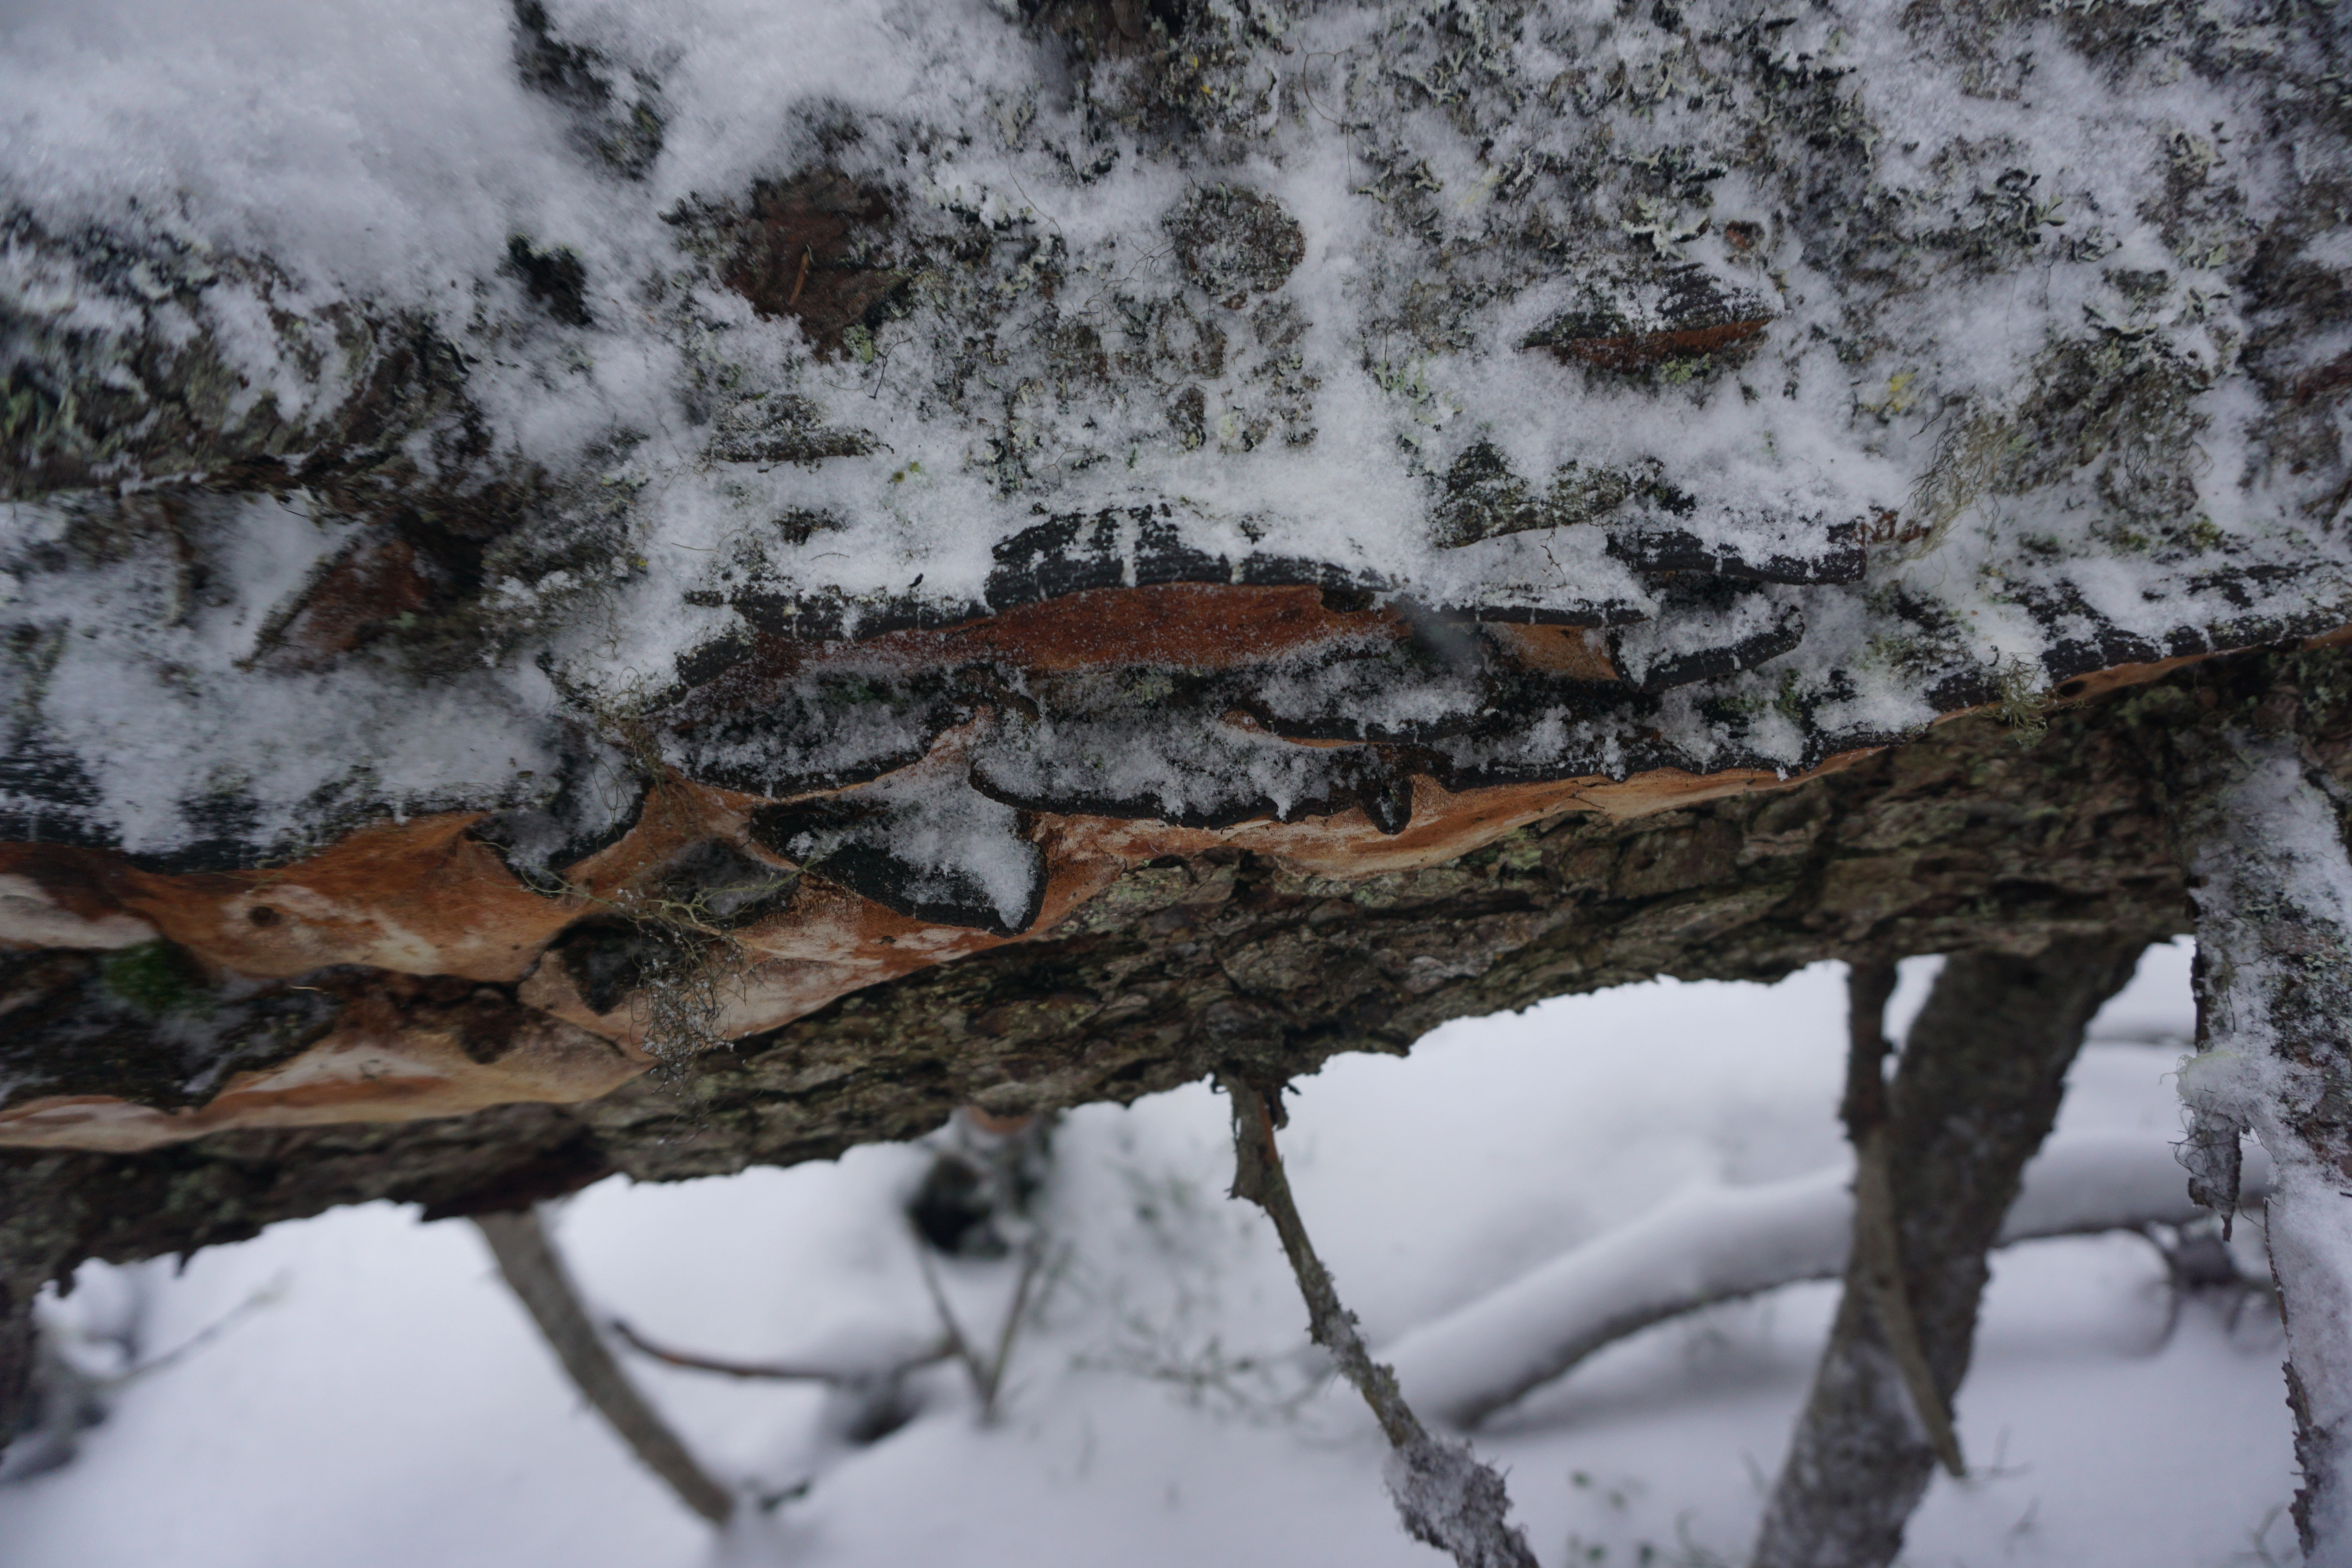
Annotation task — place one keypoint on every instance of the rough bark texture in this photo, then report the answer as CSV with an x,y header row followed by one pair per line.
x,y
1967,837
1035,440
1975,836
2261,825
1081,544
1977,1089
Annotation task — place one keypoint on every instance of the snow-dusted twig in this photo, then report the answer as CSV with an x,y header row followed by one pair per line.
x,y
527,1260
1444,1494
1725,1244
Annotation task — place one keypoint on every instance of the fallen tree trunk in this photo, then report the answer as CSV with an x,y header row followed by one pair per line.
x,y
1074,545
1715,1245
1039,441
1963,838
1982,1070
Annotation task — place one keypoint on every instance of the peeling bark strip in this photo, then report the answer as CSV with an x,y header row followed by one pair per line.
x,y
1961,840
1445,1497
1977,1088
2260,828
529,1262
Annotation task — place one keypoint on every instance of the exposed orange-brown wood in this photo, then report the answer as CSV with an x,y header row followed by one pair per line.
x,y
422,897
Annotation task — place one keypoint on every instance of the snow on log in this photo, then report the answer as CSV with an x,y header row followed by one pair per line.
x,y
609,528
1721,1243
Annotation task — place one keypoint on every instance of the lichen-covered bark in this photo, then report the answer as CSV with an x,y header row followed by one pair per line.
x,y
1982,1071
1673,386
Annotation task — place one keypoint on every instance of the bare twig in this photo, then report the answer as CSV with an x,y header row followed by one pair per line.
x,y
1445,1497
527,1259
1032,1256
269,1295
958,1345
987,1374
780,1372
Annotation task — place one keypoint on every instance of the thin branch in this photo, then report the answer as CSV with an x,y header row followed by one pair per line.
x,y
527,1259
268,1296
1445,1497
1877,1237
959,1345
780,1372
1032,1256
987,1375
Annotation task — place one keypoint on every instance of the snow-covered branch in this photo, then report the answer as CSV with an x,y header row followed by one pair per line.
x,y
1721,1243
2261,826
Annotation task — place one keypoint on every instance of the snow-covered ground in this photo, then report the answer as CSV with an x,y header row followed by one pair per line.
x,y
378,1398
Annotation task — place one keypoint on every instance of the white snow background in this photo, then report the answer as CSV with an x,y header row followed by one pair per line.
x,y
386,1403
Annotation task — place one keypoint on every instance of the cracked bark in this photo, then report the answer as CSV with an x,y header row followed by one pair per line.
x,y
1940,1157
1961,840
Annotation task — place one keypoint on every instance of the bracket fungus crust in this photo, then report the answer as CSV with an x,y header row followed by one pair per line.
x,y
616,532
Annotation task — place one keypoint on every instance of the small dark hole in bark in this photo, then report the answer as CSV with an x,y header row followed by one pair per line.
x,y
262,915
2073,689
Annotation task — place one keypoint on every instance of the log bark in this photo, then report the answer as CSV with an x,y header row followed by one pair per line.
x,y
2260,824
1981,1075
1964,838
1043,440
